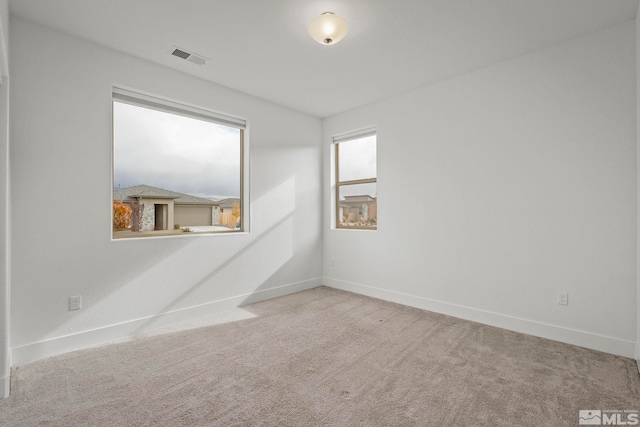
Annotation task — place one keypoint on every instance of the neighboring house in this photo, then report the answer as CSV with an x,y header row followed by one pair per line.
x,y
159,209
359,208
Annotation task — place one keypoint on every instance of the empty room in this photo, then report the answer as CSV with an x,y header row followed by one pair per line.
x,y
319,213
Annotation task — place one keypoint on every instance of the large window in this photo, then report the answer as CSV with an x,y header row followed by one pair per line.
x,y
356,180
177,170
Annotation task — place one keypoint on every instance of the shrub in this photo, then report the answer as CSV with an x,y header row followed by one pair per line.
x,y
121,215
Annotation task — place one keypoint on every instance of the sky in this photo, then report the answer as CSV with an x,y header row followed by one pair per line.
x,y
174,153
357,159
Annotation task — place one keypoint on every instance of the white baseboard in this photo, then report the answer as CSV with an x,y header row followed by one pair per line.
x,y
557,333
127,330
5,387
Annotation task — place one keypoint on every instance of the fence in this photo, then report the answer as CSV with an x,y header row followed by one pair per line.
x,y
228,220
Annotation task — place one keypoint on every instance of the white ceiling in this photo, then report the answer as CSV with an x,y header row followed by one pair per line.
x,y
262,47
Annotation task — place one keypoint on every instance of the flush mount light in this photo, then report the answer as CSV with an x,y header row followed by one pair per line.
x,y
328,28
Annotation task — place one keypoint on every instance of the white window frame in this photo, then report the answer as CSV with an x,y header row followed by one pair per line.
x,y
144,100
338,139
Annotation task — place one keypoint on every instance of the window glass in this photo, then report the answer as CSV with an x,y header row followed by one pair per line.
x,y
357,159
174,174
358,205
356,182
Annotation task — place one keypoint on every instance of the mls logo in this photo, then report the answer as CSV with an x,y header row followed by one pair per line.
x,y
590,417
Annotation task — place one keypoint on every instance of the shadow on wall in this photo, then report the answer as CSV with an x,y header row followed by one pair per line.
x,y
254,264
240,269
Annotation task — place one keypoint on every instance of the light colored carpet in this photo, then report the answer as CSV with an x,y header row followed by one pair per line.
x,y
324,357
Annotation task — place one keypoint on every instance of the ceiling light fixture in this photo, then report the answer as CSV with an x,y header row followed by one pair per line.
x,y
328,28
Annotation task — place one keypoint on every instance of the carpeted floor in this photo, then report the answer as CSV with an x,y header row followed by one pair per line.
x,y
324,357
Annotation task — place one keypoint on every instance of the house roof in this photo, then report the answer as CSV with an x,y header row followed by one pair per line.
x,y
160,193
227,203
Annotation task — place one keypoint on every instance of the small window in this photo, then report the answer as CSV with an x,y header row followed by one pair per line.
x,y
177,170
356,181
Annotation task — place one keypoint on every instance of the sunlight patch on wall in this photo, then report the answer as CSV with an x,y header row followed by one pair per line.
x,y
207,270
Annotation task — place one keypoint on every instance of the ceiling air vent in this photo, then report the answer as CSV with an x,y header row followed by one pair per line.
x,y
189,56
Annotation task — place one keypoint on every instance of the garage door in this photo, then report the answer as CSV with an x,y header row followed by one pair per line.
x,y
192,215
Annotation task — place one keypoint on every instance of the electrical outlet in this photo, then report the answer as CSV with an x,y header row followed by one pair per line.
x,y
75,303
563,298
333,263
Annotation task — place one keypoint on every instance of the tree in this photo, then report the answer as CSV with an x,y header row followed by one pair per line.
x,y
121,215
235,211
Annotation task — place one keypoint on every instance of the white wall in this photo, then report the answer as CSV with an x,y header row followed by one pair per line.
x,y
60,204
501,187
516,181
5,354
